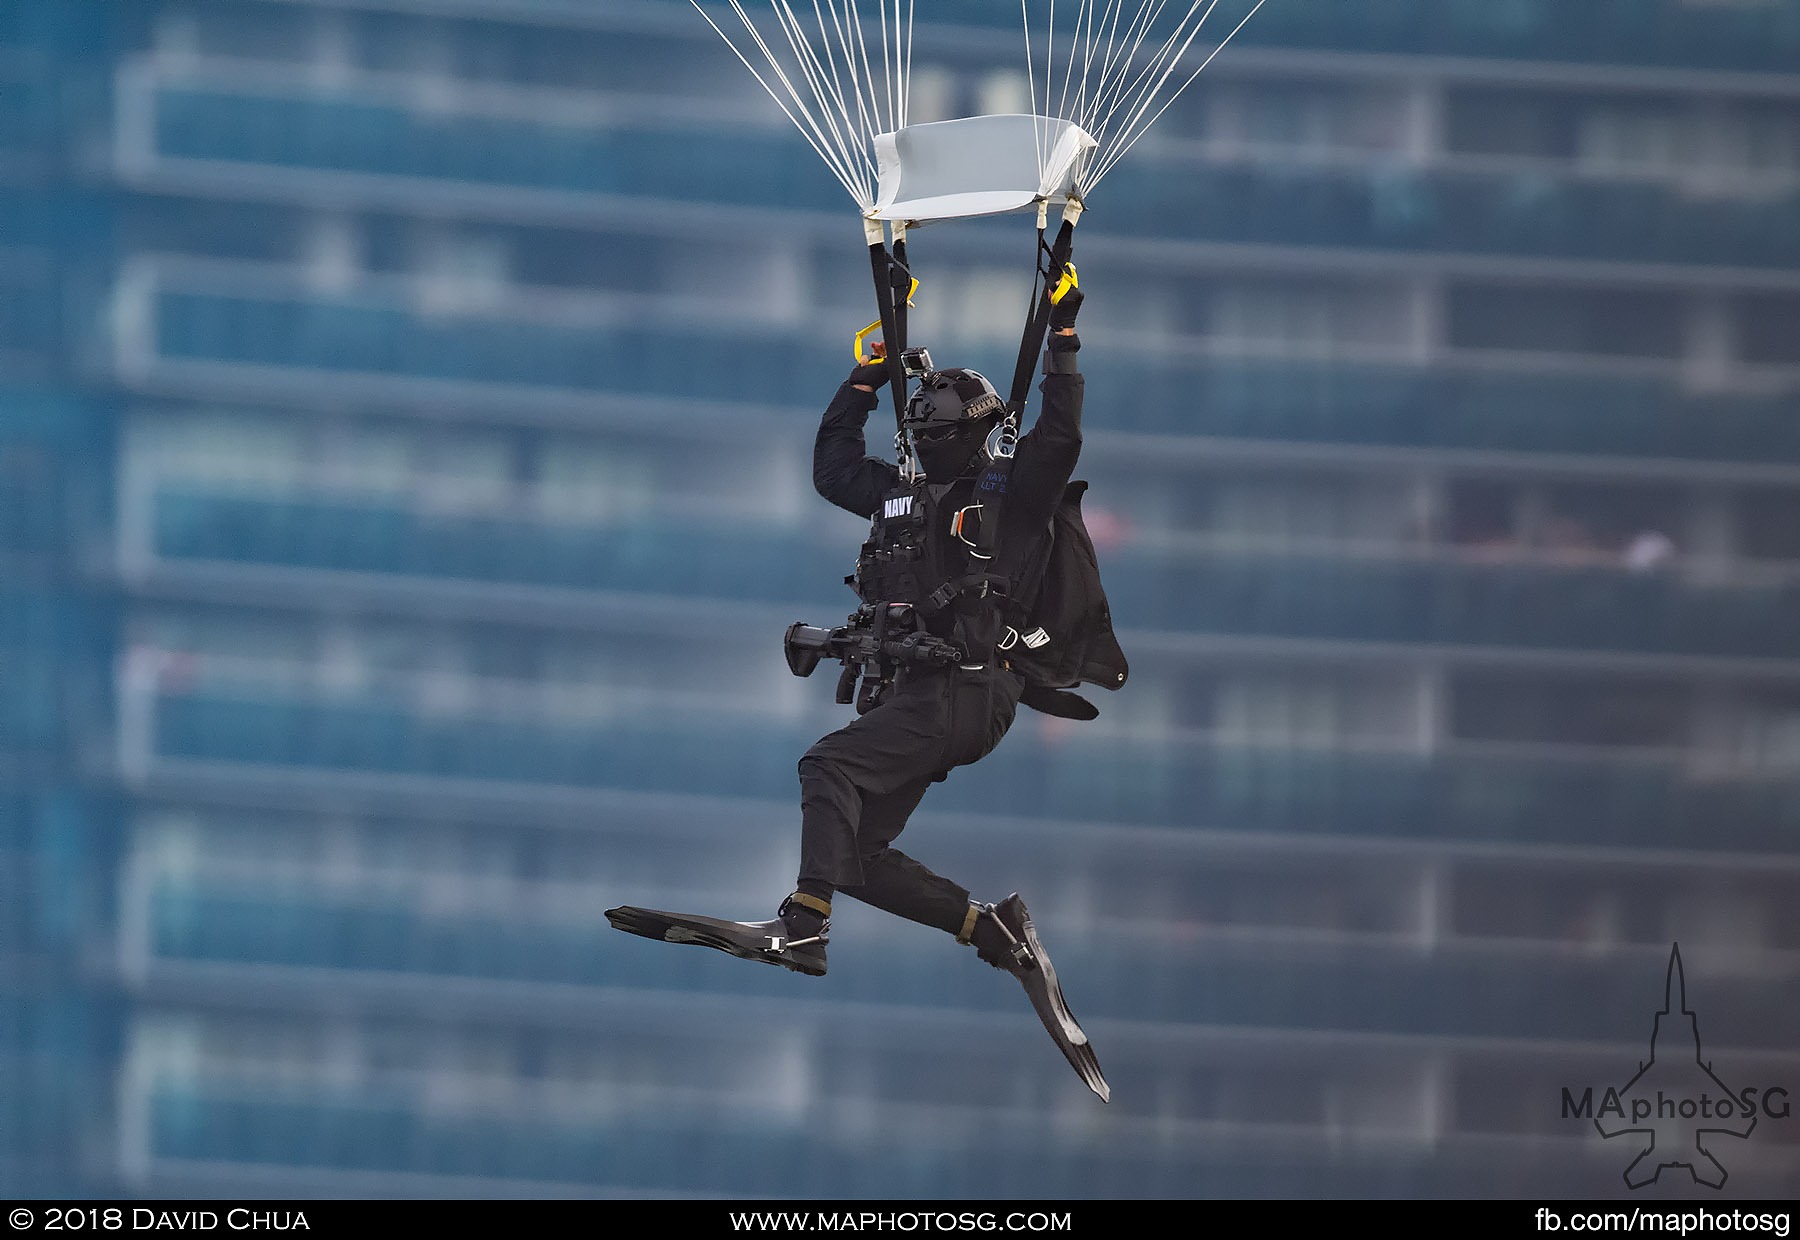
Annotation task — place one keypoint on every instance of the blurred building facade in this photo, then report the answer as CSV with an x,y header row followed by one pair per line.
x,y
405,420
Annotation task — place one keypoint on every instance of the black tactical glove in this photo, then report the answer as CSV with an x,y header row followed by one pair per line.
x,y
1062,313
872,376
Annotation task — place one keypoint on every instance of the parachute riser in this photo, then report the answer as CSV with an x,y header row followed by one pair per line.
x,y
893,282
891,278
1037,322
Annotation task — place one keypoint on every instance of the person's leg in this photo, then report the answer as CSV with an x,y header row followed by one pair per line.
x,y
893,881
979,708
897,746
884,760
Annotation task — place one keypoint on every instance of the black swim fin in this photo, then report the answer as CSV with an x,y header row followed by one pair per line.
x,y
767,941
1022,954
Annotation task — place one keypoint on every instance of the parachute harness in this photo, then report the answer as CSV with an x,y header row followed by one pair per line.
x,y
910,469
1003,440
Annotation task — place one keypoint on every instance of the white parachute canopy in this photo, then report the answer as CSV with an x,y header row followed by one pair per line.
x,y
984,165
843,77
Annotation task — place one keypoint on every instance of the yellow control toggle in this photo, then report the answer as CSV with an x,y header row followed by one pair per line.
x,y
862,358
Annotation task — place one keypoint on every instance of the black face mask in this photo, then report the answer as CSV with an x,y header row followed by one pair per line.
x,y
948,454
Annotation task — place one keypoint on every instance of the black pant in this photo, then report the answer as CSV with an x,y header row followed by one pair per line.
x,y
859,785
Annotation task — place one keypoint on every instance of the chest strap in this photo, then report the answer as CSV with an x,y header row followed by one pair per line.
x,y
980,584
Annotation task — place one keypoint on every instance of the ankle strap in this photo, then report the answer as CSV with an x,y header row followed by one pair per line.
x,y
821,907
966,935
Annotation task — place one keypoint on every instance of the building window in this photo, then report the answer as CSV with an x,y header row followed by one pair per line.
x,y
1769,524
1768,329
1622,323
1634,139
1500,122
1525,708
1300,117
1308,315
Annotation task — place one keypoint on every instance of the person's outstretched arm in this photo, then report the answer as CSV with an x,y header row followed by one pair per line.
x,y
843,470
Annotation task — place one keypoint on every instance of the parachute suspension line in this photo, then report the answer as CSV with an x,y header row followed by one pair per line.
x,y
1082,15
1130,139
853,21
1082,45
1112,84
1096,23
864,105
824,90
1120,72
778,103
887,65
906,95
1092,89
809,128
846,22
837,83
831,84
895,69
899,67
1112,97
1112,50
1037,121
1122,65
1131,89
1079,39
1088,88
902,59
860,191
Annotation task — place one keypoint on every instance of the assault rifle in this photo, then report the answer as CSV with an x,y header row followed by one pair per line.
x,y
876,642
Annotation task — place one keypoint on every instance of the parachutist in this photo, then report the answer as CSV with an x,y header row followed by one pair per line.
x,y
956,629
977,530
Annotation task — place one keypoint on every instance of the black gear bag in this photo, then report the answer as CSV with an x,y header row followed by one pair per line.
x,y
1063,622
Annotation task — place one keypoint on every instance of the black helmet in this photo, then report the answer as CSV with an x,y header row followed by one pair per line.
x,y
948,419
946,398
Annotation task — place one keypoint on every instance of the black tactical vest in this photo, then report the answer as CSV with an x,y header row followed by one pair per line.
x,y
922,549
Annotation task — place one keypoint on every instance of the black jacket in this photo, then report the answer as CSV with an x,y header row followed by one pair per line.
x,y
1042,465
